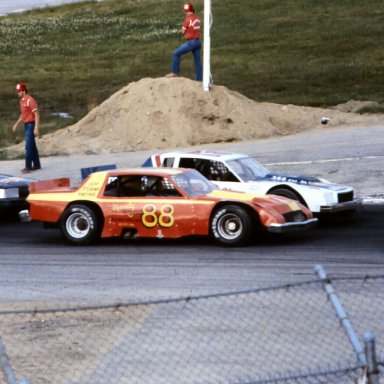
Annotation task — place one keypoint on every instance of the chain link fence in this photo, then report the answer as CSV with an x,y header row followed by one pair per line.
x,y
298,333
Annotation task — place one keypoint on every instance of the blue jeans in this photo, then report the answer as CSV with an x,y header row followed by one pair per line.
x,y
193,46
31,153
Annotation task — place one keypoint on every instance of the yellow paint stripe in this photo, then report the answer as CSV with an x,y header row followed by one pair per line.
x,y
58,197
235,195
294,206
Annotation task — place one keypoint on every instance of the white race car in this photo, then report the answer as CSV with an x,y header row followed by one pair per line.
x,y
241,172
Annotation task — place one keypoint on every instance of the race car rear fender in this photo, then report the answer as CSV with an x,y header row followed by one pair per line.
x,y
46,211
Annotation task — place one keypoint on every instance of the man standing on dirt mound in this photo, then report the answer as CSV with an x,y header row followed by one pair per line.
x,y
191,32
29,115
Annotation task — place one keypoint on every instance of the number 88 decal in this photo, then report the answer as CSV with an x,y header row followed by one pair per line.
x,y
164,219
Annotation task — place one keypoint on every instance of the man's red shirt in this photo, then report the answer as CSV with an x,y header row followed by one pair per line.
x,y
192,27
28,106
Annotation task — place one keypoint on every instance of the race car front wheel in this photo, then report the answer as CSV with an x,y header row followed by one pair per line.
x,y
231,225
285,193
79,224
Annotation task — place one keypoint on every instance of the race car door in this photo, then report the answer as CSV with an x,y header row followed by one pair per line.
x,y
147,206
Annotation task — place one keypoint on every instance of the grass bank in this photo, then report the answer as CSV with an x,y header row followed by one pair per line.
x,y
303,52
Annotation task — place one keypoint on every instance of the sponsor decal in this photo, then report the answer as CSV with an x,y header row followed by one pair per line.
x,y
90,190
291,179
124,208
215,221
86,214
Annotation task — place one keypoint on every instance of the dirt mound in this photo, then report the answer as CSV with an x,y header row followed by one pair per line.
x,y
357,106
166,113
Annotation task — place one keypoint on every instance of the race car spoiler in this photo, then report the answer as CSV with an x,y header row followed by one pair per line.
x,y
46,185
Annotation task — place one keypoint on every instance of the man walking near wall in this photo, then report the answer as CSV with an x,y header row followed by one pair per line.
x,y
30,117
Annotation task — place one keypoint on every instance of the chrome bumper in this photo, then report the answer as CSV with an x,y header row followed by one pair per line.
x,y
339,207
293,226
24,216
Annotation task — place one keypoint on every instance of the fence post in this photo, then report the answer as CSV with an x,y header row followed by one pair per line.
x,y
6,366
370,352
341,314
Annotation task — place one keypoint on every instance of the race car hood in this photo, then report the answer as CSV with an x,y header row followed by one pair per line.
x,y
302,180
7,181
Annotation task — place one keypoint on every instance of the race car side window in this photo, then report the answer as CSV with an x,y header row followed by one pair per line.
x,y
221,172
130,186
200,165
207,169
157,186
214,170
112,186
186,162
168,162
124,186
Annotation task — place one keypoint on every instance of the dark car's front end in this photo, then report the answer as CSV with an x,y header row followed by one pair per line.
x,y
13,194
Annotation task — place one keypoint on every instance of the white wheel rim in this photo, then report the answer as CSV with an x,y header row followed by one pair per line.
x,y
229,226
77,225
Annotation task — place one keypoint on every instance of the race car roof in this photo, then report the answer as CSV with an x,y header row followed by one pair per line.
x,y
203,154
141,171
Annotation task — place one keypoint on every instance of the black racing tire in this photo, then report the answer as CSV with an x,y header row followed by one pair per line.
x,y
231,225
286,193
79,224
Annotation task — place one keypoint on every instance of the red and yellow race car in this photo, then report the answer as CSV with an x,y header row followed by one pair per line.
x,y
162,203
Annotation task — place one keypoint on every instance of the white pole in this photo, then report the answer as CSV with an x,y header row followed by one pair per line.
x,y
207,45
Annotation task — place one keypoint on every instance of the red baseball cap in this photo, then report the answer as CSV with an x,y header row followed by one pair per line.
x,y
188,7
20,87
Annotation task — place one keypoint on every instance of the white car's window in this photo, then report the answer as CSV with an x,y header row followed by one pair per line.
x,y
248,169
187,162
168,162
212,169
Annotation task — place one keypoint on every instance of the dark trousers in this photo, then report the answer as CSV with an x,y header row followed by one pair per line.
x,y
32,159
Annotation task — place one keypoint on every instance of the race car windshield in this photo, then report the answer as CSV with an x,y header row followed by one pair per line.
x,y
248,169
193,183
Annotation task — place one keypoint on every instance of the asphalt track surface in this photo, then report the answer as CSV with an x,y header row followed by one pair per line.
x,y
36,264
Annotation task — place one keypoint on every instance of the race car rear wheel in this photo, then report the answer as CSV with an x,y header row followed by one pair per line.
x,y
79,224
231,225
